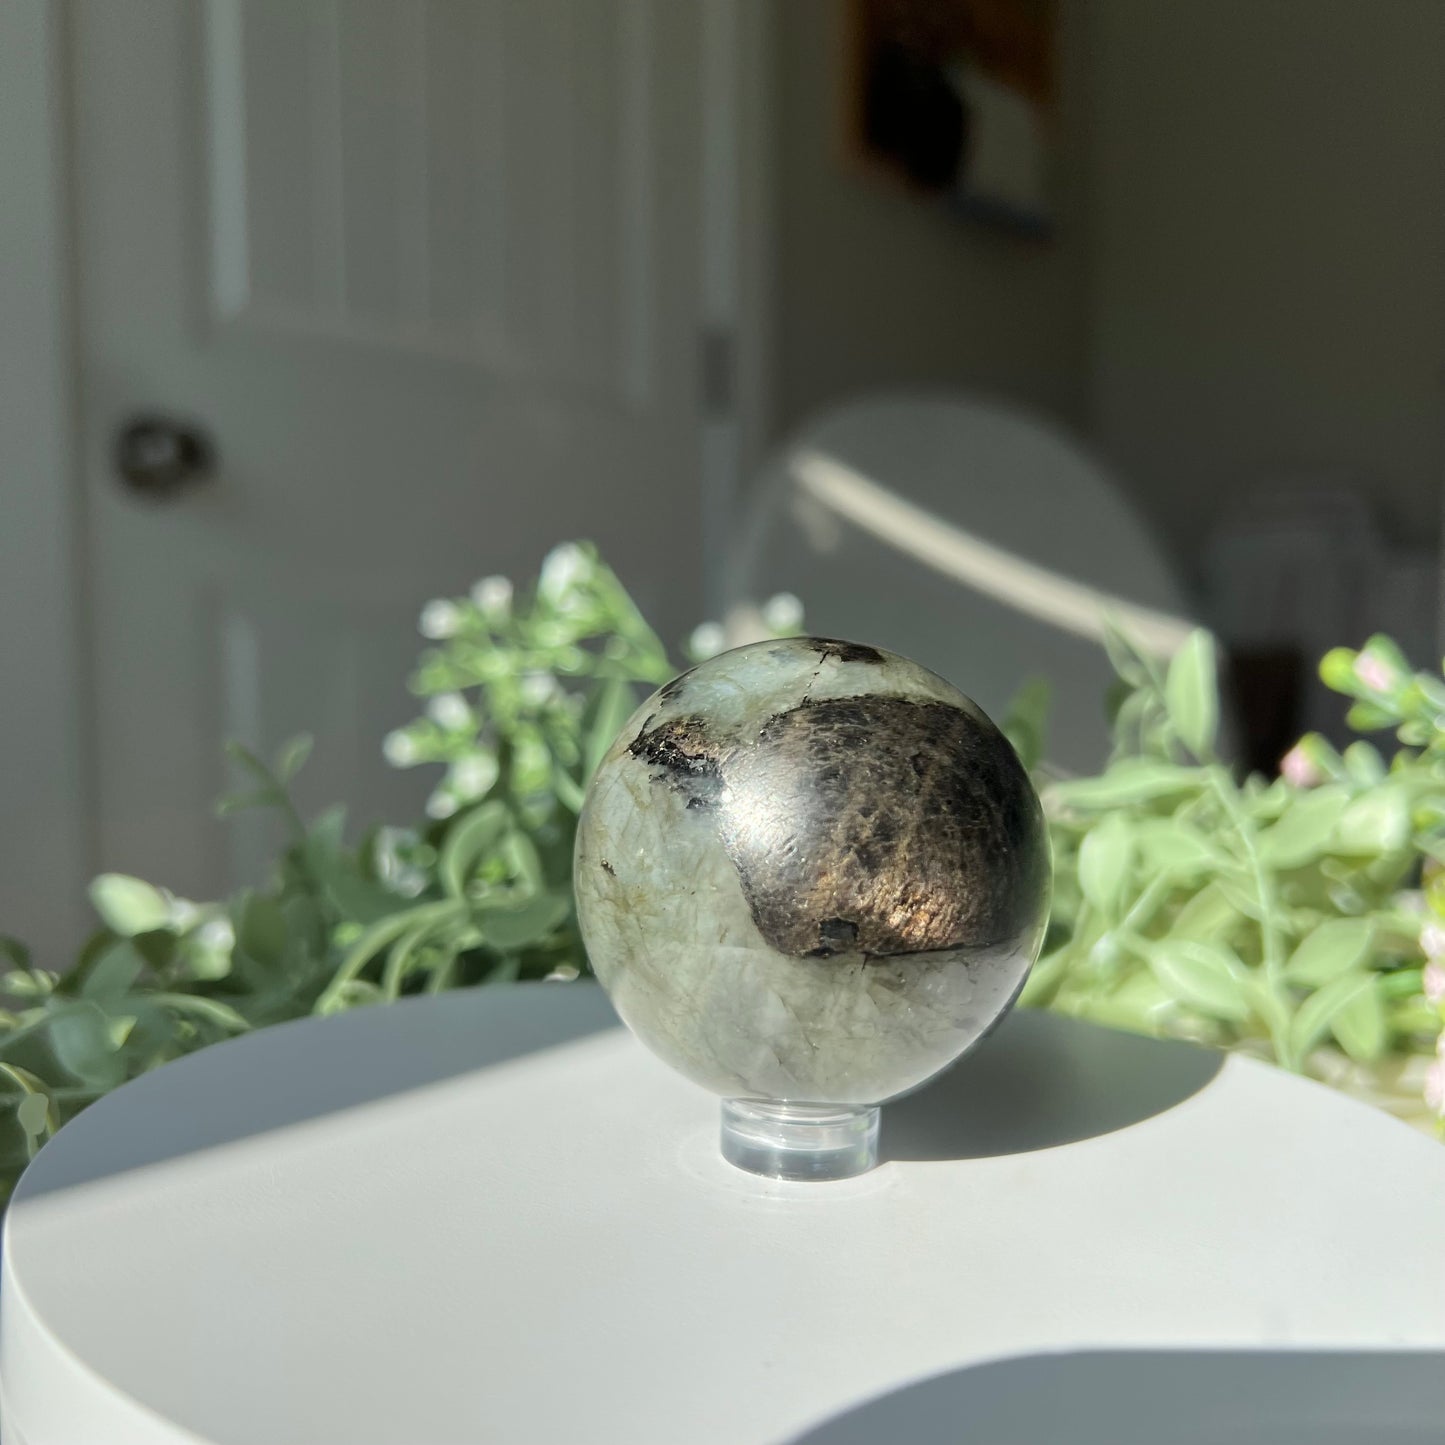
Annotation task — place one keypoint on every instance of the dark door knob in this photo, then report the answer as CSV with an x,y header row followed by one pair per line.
x,y
158,456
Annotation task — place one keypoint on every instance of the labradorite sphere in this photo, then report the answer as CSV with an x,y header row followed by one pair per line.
x,y
811,871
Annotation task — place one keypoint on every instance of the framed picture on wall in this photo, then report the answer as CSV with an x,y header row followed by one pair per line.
x,y
958,101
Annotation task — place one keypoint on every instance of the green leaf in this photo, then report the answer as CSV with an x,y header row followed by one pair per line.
x,y
1136,1004
1369,717
1191,692
1335,947
1105,859
84,1045
508,928
1432,689
1025,723
615,704
246,759
1359,1027
353,895
261,928
128,905
1364,764
1401,983
523,859
292,757
1316,1015
1135,780
1303,833
1207,976
1126,658
326,836
1266,804
1377,822
34,983
1337,670
1240,892
113,975
1207,915
468,840
241,802
14,953
1177,848
33,1114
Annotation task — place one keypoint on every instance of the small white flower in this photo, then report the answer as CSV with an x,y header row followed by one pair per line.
x,y
538,687
563,973
783,613
217,934
1435,1087
441,804
562,569
181,913
473,775
707,640
440,619
493,596
1434,982
1432,941
399,748
449,710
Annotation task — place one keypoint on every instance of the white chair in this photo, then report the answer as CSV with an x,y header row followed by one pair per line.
x,y
969,535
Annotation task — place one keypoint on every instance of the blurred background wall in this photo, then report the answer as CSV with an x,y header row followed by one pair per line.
x,y
873,289
1266,282
1246,286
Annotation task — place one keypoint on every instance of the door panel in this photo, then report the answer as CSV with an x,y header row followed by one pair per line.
x,y
427,276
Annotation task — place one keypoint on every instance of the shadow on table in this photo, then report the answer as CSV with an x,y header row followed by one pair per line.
x,y
262,1081
1145,1397
1040,1081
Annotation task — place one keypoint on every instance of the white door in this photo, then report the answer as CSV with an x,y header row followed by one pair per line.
x,y
425,276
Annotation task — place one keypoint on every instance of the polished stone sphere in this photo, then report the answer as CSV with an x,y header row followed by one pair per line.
x,y
811,871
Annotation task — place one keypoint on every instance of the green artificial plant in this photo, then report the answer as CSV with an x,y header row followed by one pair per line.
x,y
1299,918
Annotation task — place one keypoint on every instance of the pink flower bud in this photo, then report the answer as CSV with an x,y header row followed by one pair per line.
x,y
1376,675
1299,769
1432,940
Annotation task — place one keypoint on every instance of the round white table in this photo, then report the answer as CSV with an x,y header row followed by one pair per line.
x,y
491,1216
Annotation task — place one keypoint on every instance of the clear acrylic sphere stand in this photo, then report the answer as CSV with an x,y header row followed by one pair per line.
x,y
799,1141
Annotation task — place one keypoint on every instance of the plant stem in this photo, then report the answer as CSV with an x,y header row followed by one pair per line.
x,y
1271,945
1150,899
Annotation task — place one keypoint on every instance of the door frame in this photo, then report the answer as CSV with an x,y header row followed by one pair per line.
x,y
47,741
48,847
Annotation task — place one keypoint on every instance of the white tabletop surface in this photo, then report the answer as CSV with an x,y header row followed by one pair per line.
x,y
491,1216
